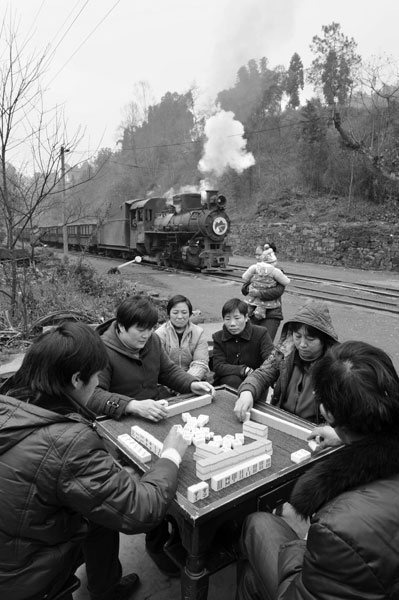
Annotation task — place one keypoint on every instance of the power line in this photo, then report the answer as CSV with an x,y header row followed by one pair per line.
x,y
247,133
70,26
85,39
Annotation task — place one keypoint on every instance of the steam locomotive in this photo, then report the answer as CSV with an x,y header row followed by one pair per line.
x,y
190,231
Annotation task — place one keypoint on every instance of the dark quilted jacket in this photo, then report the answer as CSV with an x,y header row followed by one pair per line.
x,y
55,473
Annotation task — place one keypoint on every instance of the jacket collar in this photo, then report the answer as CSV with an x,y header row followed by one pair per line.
x,y
245,334
112,341
359,463
186,331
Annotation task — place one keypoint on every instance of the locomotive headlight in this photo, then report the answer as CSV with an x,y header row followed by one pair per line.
x,y
220,226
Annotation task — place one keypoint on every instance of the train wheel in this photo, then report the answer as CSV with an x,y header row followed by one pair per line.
x,y
160,259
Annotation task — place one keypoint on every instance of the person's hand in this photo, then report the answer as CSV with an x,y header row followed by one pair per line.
x,y
325,436
295,521
175,440
246,371
153,410
202,387
244,403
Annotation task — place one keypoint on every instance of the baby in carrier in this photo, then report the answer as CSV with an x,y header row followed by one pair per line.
x,y
260,276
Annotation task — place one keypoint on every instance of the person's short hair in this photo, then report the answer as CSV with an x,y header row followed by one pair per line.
x,y
55,356
234,304
357,383
138,311
325,339
176,300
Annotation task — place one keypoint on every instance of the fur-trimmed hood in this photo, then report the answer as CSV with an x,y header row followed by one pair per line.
x,y
356,464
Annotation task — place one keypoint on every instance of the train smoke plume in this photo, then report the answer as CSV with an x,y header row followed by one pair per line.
x,y
225,146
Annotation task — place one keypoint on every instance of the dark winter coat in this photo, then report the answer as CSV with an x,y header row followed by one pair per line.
x,y
352,549
277,370
56,474
273,293
233,353
127,377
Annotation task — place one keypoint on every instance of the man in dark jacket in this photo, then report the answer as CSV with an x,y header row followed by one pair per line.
x,y
63,498
239,347
351,549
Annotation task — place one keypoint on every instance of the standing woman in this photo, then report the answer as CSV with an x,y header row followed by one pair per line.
x,y
273,315
184,341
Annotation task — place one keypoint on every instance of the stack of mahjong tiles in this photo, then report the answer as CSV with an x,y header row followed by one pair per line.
x,y
133,449
225,460
147,439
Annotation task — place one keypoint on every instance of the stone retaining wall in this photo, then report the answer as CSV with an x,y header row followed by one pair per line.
x,y
356,245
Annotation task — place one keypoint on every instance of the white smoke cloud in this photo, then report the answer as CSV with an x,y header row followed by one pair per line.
x,y
225,146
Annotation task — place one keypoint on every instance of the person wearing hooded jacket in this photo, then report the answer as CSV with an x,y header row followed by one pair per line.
x,y
63,498
304,341
348,502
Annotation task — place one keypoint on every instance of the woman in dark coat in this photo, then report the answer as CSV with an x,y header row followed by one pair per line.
x,y
351,550
273,315
239,347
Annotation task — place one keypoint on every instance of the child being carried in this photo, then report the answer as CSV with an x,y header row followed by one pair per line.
x,y
260,276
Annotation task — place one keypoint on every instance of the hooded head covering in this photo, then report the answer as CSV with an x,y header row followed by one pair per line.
x,y
314,313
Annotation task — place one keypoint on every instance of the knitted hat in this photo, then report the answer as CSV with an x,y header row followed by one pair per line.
x,y
268,256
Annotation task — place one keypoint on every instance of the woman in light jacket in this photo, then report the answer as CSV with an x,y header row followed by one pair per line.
x,y
184,341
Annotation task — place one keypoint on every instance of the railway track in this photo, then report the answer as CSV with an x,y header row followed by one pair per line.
x,y
380,298
373,297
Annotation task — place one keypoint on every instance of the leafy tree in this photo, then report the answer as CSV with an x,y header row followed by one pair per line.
x,y
313,145
333,68
294,81
163,144
258,91
370,128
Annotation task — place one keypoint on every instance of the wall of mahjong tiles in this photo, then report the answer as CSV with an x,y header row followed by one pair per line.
x,y
222,421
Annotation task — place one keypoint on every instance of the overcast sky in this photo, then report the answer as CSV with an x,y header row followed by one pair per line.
x,y
103,47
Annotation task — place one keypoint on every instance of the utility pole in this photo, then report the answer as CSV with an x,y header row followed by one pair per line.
x,y
64,212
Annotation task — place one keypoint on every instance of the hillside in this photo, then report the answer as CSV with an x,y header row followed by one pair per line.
x,y
323,230
301,208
